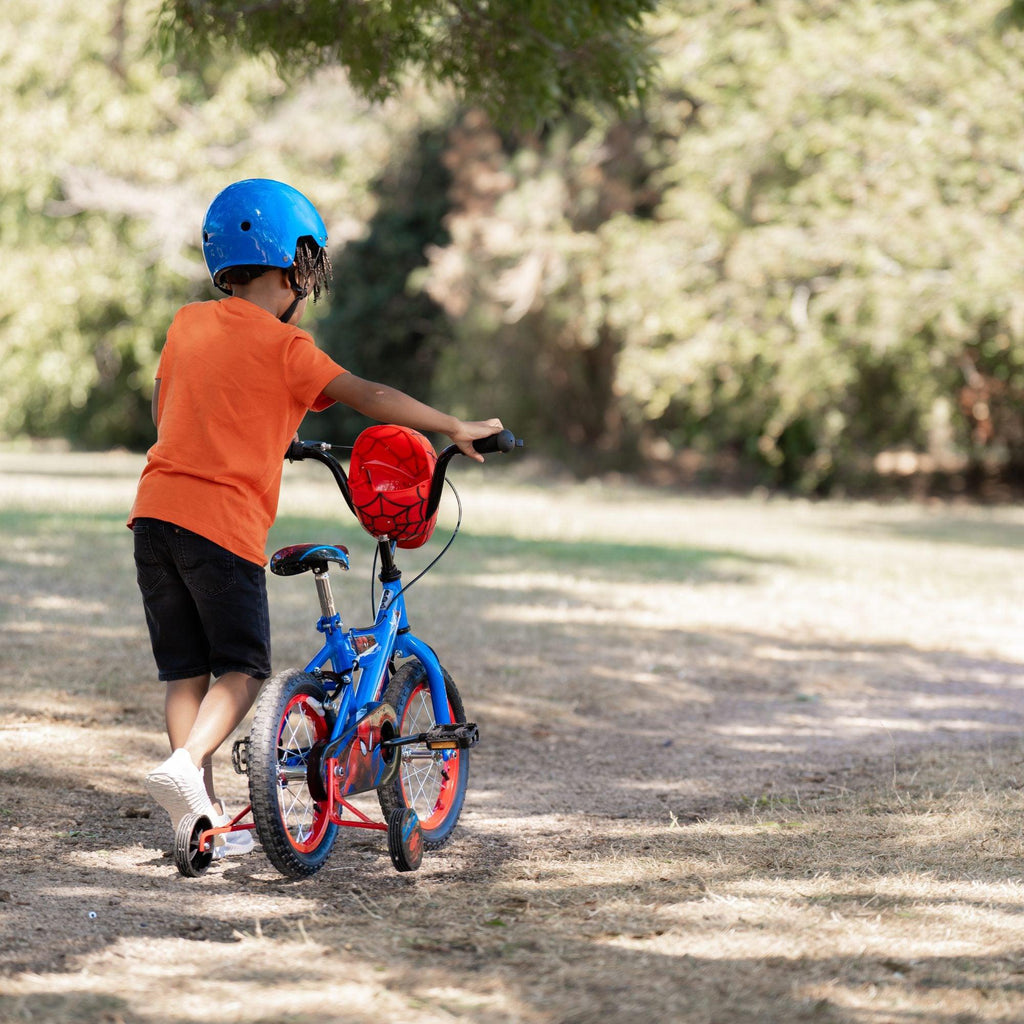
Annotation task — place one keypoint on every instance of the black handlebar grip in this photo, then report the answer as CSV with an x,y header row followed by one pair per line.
x,y
504,441
295,453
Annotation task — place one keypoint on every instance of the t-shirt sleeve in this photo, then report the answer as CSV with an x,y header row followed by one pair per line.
x,y
307,371
163,363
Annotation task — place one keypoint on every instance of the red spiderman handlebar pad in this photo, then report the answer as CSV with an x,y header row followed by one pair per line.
x,y
503,441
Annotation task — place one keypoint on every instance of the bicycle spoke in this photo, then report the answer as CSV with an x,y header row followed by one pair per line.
x,y
298,809
431,783
421,774
289,725
423,785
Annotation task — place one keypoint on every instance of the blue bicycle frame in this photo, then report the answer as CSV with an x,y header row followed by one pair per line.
x,y
299,784
361,657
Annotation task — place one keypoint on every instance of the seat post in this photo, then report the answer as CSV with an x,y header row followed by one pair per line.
x,y
323,592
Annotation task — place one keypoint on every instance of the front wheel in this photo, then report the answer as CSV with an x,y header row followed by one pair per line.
x,y
428,783
289,728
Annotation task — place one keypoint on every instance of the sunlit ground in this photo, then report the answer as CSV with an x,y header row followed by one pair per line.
x,y
742,759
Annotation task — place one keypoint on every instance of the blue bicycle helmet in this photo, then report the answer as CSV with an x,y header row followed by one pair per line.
x,y
258,222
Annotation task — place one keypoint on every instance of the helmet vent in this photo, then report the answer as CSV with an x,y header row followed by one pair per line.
x,y
258,222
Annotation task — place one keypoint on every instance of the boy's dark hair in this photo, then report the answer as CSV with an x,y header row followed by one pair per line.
x,y
311,260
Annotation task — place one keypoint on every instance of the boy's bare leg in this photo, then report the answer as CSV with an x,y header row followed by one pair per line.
x,y
181,707
222,709
201,715
182,703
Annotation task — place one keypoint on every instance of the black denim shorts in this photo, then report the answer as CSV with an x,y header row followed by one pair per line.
x,y
206,608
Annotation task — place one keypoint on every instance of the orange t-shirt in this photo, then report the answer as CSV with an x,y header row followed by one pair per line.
x,y
235,383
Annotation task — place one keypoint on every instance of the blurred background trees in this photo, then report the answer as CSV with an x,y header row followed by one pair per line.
x,y
521,61
795,262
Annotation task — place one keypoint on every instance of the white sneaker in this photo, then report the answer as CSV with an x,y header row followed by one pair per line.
x,y
177,785
231,844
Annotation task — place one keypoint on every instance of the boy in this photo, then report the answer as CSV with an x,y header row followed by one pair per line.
x,y
235,378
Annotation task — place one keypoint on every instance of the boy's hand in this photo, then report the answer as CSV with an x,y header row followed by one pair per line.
x,y
465,433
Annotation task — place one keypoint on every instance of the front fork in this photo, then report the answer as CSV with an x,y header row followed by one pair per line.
x,y
392,606
411,646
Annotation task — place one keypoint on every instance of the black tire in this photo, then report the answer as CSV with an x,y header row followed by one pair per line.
x,y
405,840
433,787
188,858
289,727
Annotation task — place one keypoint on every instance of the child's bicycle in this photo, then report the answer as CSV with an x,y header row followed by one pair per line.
x,y
354,719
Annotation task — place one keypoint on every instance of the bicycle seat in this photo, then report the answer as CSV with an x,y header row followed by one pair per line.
x,y
296,558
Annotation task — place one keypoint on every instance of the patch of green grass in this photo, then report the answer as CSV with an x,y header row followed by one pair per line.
x,y
971,531
16,522
621,560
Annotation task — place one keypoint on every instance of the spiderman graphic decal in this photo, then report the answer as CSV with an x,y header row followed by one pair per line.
x,y
363,765
389,478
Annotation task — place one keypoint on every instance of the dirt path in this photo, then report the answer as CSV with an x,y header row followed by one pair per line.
x,y
741,760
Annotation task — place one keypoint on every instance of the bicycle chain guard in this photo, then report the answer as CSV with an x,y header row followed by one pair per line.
x,y
361,759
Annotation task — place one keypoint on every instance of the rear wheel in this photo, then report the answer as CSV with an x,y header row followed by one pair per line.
x,y
428,783
289,728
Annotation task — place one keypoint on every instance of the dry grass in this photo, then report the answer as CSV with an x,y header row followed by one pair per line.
x,y
742,760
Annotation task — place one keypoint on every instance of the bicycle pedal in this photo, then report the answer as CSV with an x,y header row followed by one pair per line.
x,y
240,756
454,736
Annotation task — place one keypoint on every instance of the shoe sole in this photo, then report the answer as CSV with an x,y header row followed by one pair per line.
x,y
164,790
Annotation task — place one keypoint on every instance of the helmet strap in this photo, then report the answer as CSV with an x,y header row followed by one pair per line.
x,y
300,294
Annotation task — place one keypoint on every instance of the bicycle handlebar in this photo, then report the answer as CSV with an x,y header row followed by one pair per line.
x,y
502,442
320,451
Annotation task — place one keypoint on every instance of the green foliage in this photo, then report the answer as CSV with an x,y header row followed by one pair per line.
x,y
804,250
522,61
110,158
1012,15
379,326
807,251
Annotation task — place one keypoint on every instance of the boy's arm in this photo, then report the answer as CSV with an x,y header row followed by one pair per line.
x,y
389,405
154,408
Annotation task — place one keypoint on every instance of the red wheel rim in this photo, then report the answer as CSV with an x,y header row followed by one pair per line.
x,y
430,791
305,820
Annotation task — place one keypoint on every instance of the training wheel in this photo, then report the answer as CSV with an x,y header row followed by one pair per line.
x,y
188,858
405,839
